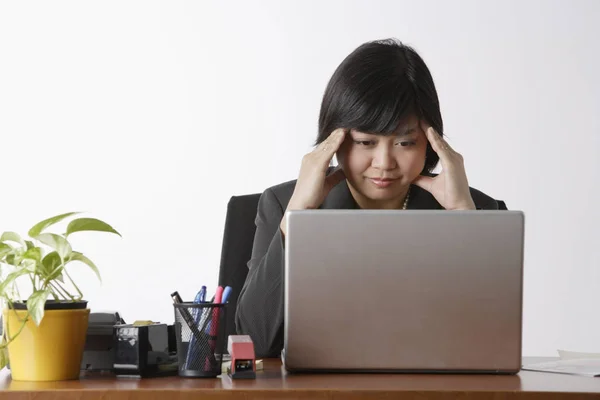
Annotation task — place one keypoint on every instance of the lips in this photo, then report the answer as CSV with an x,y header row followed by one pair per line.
x,y
382,182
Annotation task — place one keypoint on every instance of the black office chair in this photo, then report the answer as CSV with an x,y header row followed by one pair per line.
x,y
236,249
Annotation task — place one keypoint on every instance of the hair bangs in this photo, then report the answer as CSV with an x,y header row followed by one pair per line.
x,y
382,109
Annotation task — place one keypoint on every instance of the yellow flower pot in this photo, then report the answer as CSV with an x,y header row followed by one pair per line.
x,y
51,351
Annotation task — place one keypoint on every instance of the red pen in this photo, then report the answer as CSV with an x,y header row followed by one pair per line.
x,y
215,318
214,325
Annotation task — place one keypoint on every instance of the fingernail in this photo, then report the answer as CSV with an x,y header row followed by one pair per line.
x,y
340,132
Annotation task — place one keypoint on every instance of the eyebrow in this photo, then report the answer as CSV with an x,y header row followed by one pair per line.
x,y
407,131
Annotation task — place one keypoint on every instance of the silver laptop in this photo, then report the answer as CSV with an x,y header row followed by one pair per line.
x,y
403,291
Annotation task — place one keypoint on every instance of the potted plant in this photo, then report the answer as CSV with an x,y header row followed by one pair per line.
x,y
44,334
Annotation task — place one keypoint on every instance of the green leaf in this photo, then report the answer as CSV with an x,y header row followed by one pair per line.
x,y
77,256
3,352
29,265
31,259
14,257
89,224
36,303
11,259
10,279
57,242
12,237
40,226
34,253
50,263
4,249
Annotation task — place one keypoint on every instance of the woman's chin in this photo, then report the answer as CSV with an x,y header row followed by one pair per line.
x,y
380,193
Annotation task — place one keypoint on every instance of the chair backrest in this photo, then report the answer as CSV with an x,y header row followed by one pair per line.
x,y
236,250
238,238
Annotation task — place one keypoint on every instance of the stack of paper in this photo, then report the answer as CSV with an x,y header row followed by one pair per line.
x,y
575,355
571,362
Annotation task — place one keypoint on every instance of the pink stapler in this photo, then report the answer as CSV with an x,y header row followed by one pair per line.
x,y
241,349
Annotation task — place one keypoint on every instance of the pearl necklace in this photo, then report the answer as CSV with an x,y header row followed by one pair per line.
x,y
405,204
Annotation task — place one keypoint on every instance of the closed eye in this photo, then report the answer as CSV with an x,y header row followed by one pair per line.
x,y
365,142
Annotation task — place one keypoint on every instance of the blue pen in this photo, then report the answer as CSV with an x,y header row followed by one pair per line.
x,y
226,293
200,297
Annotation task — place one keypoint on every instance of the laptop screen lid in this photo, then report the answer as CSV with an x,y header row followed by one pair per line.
x,y
390,290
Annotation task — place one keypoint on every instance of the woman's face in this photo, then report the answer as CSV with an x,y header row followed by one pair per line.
x,y
380,169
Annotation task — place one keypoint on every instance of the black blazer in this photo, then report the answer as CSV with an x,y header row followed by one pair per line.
x,y
259,310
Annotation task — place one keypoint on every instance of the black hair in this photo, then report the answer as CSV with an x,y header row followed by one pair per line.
x,y
375,88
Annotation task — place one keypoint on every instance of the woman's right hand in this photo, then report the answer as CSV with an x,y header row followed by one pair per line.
x,y
313,185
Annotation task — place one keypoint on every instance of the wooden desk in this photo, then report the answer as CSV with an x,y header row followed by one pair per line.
x,y
275,383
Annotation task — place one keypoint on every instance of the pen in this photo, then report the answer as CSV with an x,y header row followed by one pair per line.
x,y
224,298
212,338
215,318
226,293
176,298
205,321
187,316
200,297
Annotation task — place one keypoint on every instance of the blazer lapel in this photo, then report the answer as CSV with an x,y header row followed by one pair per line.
x,y
340,198
421,199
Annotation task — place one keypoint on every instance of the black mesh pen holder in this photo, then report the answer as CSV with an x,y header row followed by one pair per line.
x,y
200,332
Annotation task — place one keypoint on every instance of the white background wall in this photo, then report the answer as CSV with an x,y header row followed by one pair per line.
x,y
150,115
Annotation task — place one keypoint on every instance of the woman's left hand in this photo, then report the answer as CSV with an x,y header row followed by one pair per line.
x,y
450,188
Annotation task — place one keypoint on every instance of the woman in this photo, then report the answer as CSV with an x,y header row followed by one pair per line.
x,y
380,116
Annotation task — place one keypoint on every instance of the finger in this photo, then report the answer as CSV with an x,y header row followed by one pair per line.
x,y
329,146
432,136
434,139
333,137
334,178
424,182
439,145
443,142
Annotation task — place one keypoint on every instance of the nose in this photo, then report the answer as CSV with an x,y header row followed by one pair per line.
x,y
383,158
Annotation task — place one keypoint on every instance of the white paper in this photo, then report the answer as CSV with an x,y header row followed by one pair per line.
x,y
583,366
575,355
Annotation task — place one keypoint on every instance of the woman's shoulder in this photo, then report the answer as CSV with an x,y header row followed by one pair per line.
x,y
421,199
279,194
483,201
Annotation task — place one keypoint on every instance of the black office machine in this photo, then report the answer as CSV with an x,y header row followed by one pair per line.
x,y
99,350
144,350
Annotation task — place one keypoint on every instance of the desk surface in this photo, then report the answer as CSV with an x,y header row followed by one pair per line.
x,y
273,382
